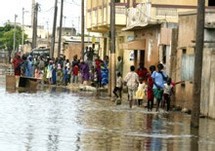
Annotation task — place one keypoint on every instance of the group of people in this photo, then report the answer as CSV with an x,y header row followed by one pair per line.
x,y
142,84
146,85
62,71
50,71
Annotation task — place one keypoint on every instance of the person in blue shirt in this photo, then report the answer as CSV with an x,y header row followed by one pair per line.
x,y
159,78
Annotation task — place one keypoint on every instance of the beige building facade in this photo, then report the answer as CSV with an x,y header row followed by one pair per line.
x,y
154,23
185,62
146,30
98,20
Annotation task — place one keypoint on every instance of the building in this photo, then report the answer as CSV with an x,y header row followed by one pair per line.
x,y
67,31
43,37
185,62
153,25
72,45
145,29
98,20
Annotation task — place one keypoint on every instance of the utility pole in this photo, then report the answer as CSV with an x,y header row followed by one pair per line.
x,y
64,18
32,12
23,12
112,49
48,40
60,30
198,64
34,34
53,31
14,34
23,24
82,28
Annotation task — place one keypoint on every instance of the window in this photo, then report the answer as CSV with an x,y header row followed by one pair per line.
x,y
164,54
187,66
211,3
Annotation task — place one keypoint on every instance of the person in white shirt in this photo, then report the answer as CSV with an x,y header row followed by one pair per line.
x,y
119,65
118,87
168,90
159,78
132,81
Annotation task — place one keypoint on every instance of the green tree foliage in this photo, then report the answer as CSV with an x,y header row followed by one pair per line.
x,y
6,36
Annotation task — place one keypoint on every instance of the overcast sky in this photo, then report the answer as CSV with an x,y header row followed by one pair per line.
x,y
72,12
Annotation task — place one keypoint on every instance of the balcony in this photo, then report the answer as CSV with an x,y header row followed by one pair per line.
x,y
146,14
98,18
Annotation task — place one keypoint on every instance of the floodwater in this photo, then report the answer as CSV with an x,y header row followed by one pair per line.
x,y
61,120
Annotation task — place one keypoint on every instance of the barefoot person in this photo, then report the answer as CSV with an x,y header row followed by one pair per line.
x,y
131,80
159,80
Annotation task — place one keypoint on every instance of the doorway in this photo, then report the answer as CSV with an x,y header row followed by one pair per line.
x,y
211,3
142,57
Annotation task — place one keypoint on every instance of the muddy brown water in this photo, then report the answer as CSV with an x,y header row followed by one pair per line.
x,y
56,119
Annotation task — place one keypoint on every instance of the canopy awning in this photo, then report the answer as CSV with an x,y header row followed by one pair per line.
x,y
134,45
139,26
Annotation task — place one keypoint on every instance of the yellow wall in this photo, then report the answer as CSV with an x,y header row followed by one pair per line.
x,y
98,15
170,2
186,34
174,2
185,23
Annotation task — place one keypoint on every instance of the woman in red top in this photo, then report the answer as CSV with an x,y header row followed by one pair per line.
x,y
17,62
98,62
150,95
75,74
142,72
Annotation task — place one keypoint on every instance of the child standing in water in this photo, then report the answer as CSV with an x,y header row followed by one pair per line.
x,y
131,80
168,90
59,75
140,93
118,88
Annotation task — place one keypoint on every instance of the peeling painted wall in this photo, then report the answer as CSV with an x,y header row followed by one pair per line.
x,y
186,45
208,83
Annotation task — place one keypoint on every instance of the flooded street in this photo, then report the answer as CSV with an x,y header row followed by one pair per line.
x,y
60,120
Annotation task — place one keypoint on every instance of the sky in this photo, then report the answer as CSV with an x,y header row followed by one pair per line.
x,y
71,13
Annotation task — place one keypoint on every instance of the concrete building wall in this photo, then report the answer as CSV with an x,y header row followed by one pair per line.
x,y
183,95
172,2
186,37
208,83
186,24
73,49
186,49
41,32
151,35
98,15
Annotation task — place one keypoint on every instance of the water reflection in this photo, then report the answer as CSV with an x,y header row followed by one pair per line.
x,y
148,142
56,119
29,137
195,139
